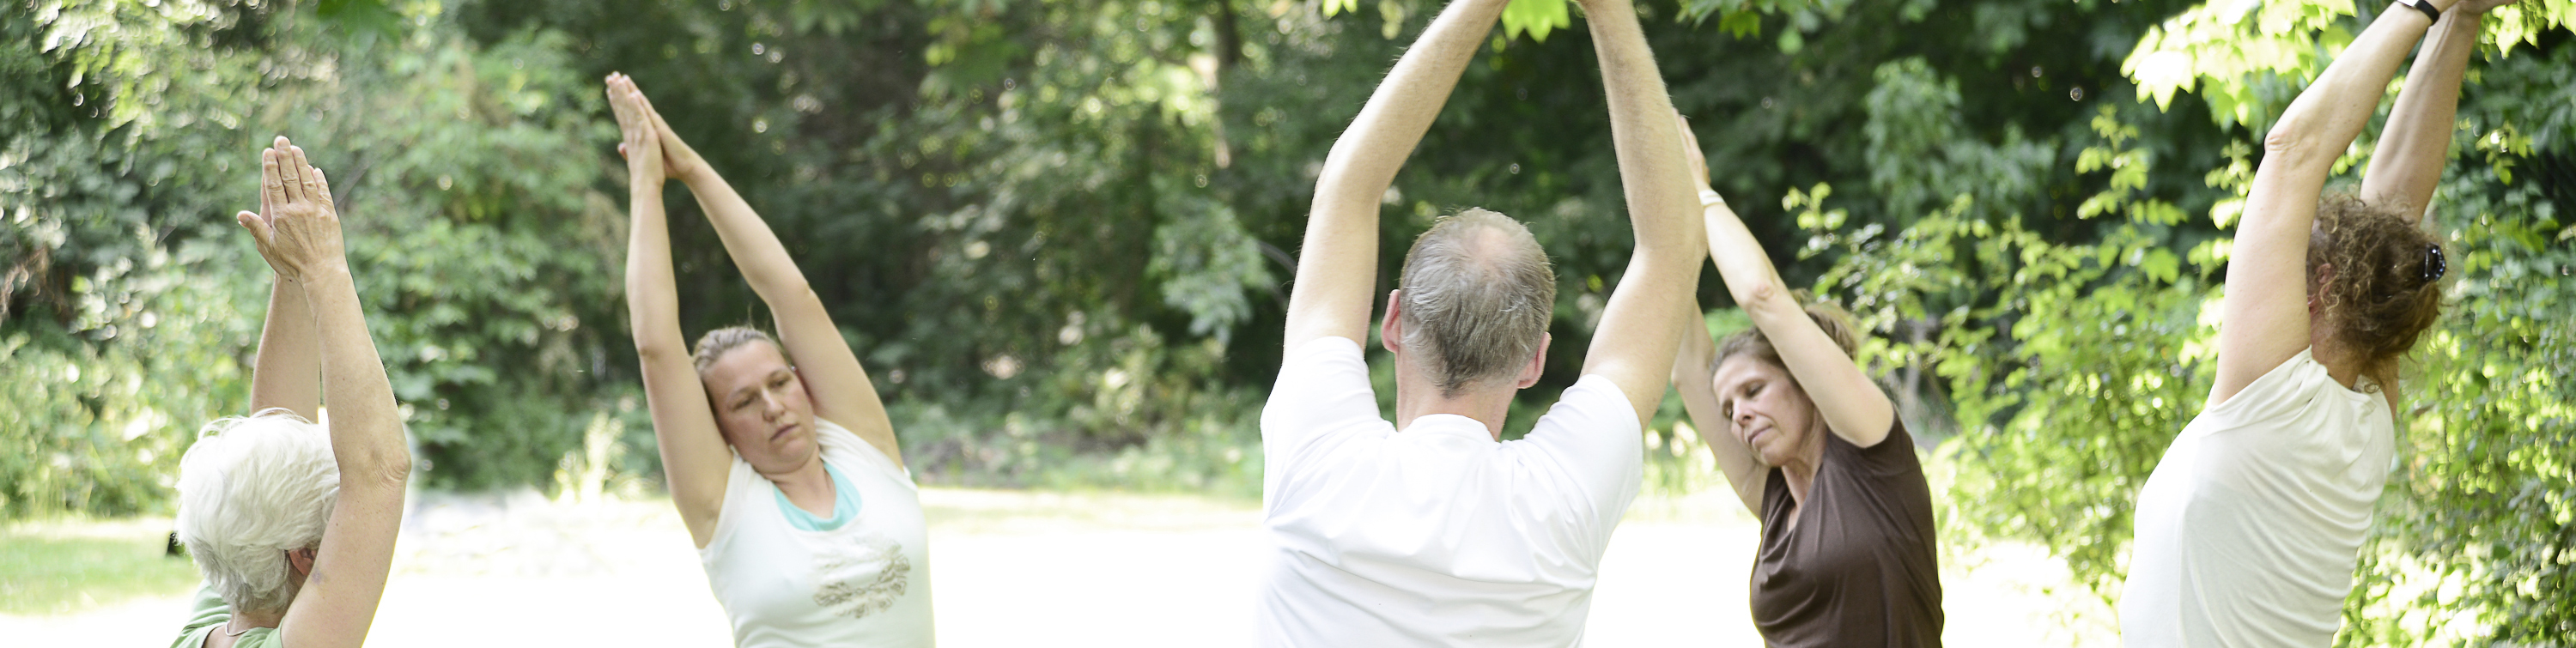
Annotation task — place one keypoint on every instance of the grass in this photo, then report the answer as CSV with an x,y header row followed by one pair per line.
x,y
68,565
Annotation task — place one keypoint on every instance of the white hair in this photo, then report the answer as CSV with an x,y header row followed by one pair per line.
x,y
251,489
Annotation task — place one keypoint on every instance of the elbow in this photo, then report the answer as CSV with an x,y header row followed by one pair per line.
x,y
2289,141
655,348
1763,297
386,468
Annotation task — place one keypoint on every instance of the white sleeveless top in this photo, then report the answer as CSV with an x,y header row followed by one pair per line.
x,y
864,583
2248,529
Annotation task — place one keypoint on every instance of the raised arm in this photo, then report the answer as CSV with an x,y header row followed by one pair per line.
x,y
2265,310
288,371
1853,406
1337,265
1633,346
694,457
1691,377
831,371
2416,143
338,602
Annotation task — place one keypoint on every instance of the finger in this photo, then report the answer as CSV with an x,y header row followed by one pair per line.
x,y
272,186
669,137
322,188
266,206
260,234
309,179
629,120
290,175
617,104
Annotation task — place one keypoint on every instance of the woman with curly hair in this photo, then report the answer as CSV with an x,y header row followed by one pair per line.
x,y
2248,530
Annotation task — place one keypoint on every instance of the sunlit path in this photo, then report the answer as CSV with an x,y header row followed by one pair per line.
x,y
1016,569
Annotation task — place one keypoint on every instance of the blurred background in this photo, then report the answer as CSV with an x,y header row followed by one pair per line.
x,y
1058,233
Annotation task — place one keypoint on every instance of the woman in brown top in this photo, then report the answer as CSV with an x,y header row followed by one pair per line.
x,y
1814,448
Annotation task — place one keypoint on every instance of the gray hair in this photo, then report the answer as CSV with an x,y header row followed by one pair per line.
x,y
251,489
1478,296
715,344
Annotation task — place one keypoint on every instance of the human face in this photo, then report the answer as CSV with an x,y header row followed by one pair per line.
x,y
761,406
1767,411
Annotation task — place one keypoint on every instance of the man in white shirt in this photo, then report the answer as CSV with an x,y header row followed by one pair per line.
x,y
1429,530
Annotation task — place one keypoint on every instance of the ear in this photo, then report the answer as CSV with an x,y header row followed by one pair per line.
x,y
302,559
1390,333
1537,365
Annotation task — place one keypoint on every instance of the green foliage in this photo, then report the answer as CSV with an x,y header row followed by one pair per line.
x,y
1536,18
466,173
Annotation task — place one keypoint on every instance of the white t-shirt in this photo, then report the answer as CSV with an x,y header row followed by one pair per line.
x,y
864,583
1437,535
2247,531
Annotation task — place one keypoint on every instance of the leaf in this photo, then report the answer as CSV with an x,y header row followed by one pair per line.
x,y
2162,265
1741,24
1534,17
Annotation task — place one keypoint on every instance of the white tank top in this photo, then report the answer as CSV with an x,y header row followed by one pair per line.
x,y
2248,529
864,583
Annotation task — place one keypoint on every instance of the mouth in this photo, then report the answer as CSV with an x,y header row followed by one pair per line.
x,y
783,430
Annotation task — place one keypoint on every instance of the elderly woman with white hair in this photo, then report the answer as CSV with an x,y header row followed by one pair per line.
x,y
293,523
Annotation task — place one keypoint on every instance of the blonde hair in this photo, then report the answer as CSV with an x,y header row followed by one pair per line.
x,y
250,489
1478,296
715,344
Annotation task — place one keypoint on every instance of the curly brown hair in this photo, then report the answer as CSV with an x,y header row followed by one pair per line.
x,y
1836,323
2387,285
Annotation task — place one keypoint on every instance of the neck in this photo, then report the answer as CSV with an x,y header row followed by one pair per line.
x,y
1800,471
2340,364
245,620
1416,396
807,483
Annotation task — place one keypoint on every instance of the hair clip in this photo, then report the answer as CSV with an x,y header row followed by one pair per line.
x,y
2434,264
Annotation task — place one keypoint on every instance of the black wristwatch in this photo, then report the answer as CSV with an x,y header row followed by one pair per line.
x,y
2425,6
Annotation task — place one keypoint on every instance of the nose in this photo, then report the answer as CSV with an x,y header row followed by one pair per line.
x,y
771,405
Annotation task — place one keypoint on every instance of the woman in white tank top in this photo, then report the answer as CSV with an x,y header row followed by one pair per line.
x,y
811,532
2248,530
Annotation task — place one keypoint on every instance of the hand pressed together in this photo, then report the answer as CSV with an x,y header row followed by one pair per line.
x,y
299,234
638,121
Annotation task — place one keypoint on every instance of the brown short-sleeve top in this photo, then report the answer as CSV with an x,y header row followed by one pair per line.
x,y
1860,569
